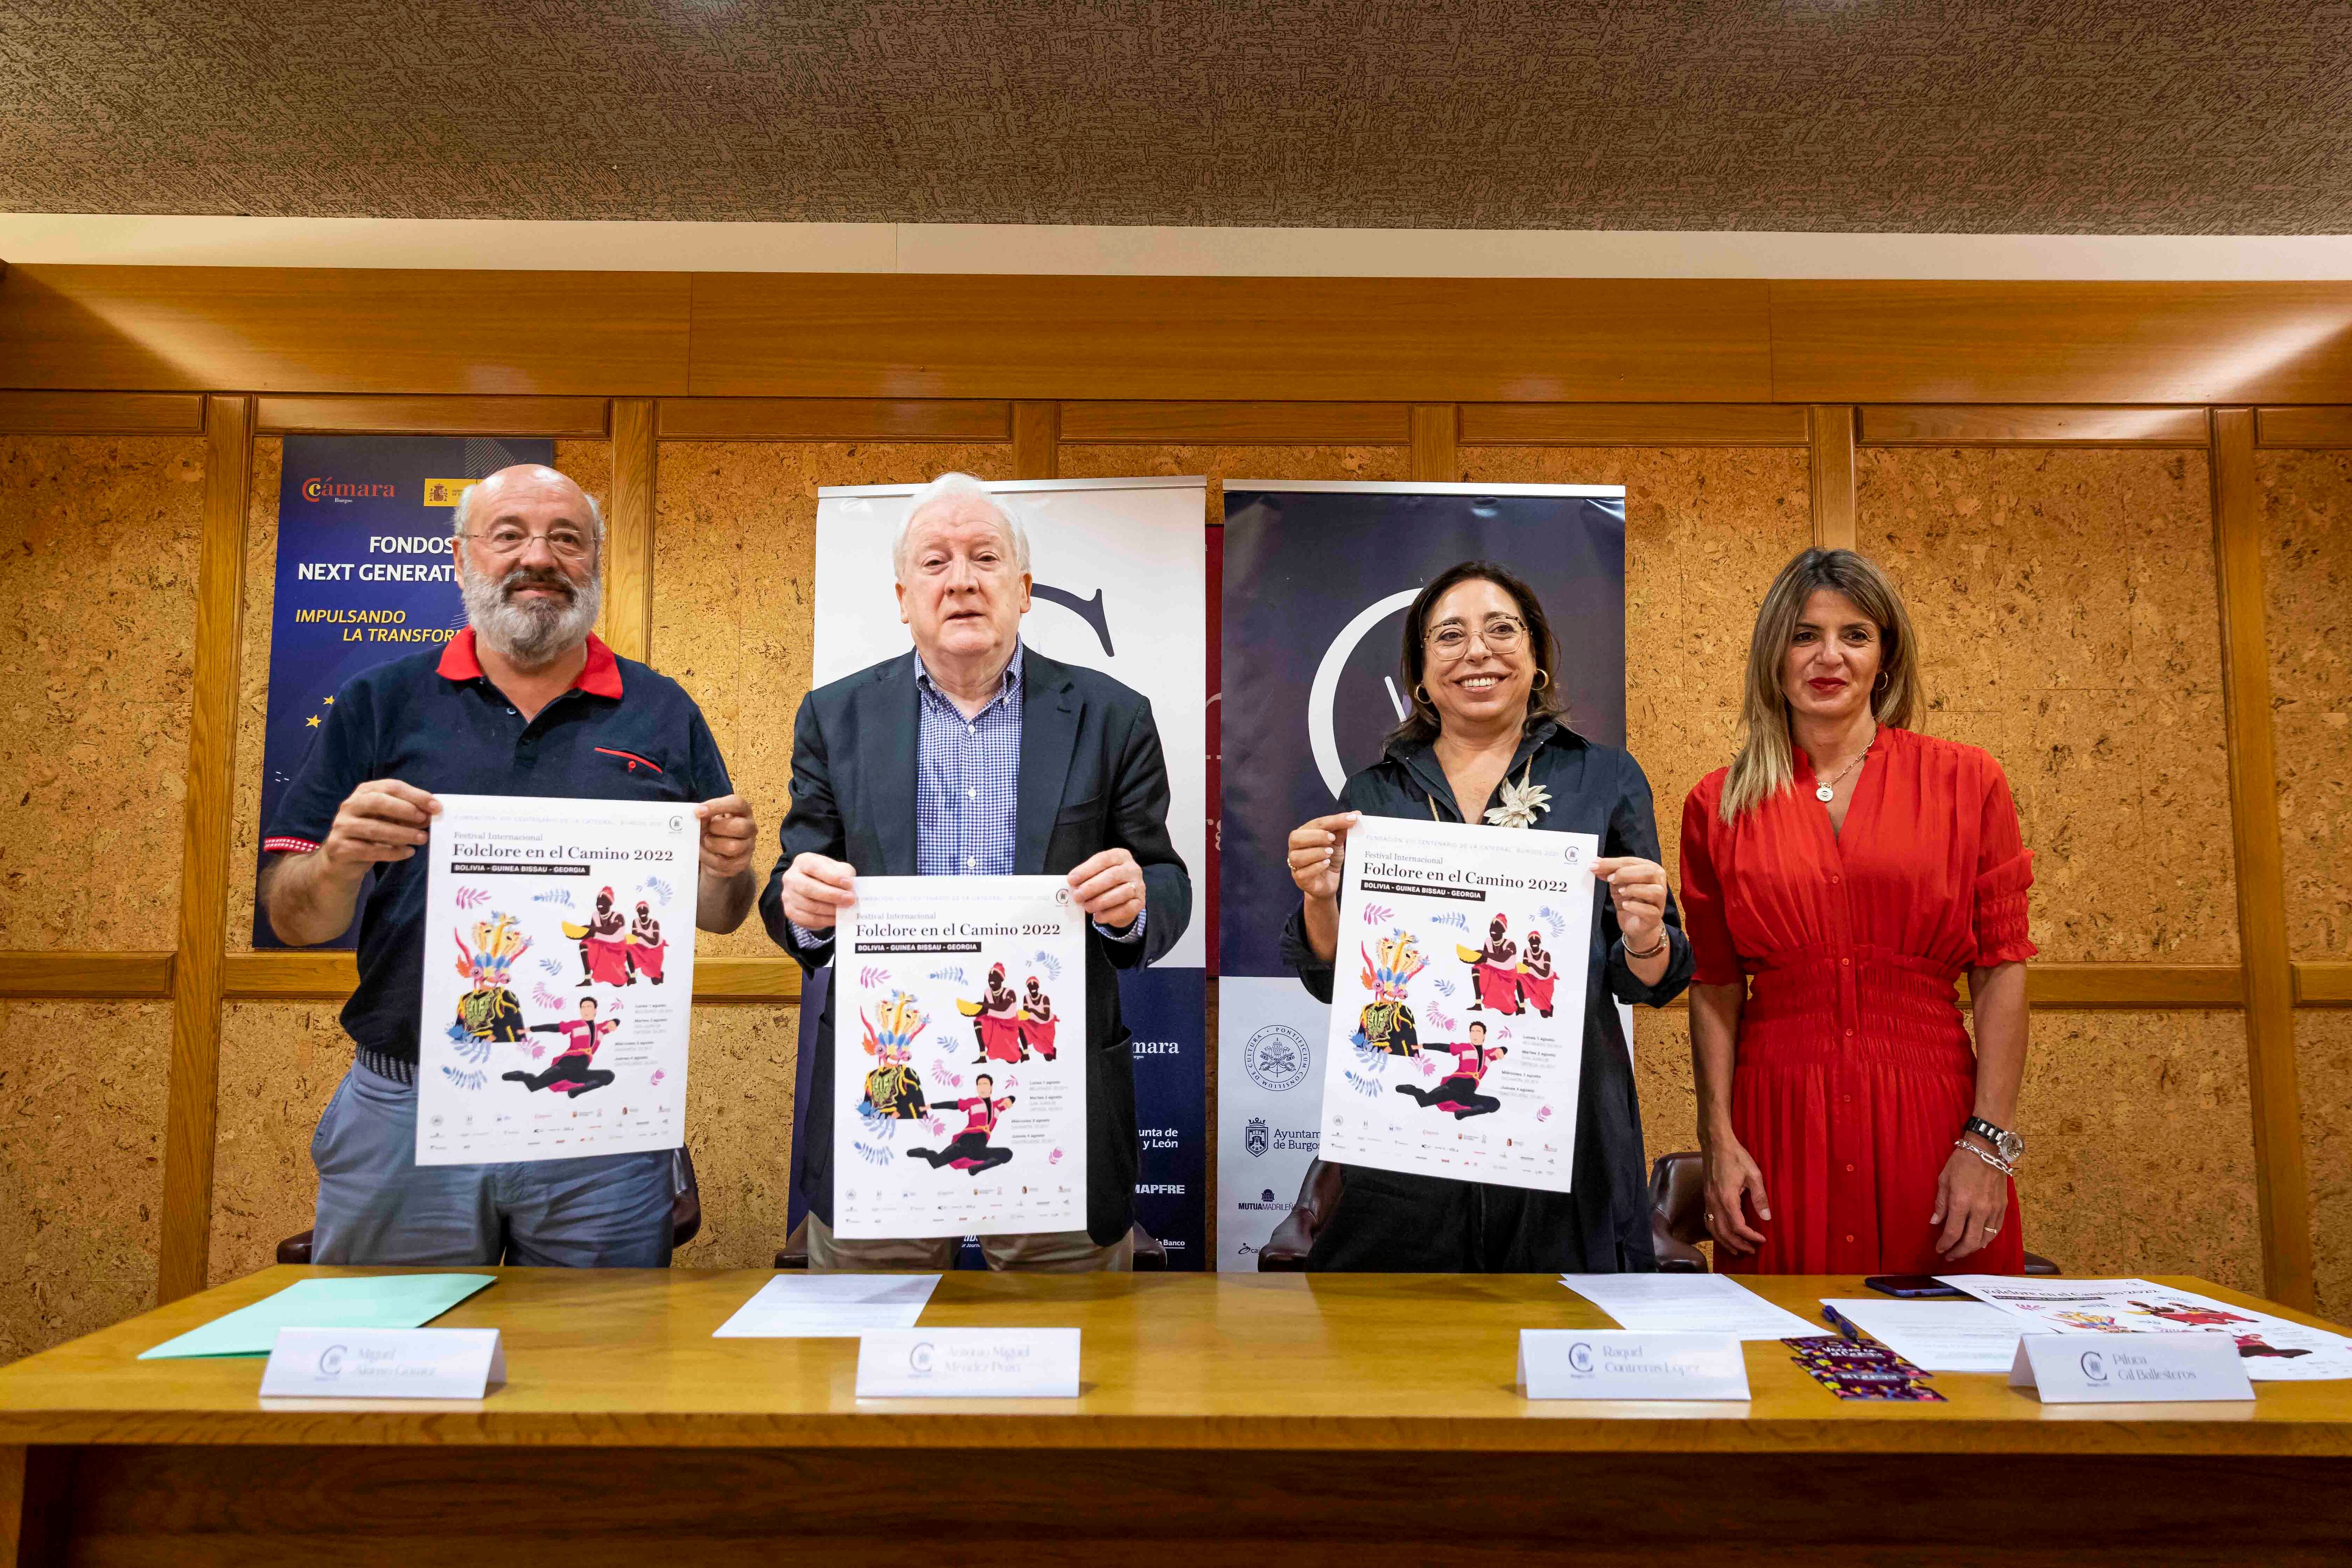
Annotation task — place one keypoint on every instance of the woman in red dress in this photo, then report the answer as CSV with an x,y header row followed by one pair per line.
x,y
1837,880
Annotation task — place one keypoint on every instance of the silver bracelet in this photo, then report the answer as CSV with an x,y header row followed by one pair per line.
x,y
1664,942
1995,1161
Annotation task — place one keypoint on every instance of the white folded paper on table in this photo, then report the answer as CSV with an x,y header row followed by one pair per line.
x,y
2274,1349
1689,1304
829,1306
967,1364
2129,1368
383,1363
1622,1363
1937,1336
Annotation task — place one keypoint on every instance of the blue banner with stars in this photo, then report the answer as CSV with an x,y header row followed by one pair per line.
x,y
364,576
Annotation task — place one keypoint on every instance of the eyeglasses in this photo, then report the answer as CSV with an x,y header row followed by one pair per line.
x,y
564,543
1501,634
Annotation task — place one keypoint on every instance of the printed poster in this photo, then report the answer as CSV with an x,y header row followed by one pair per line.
x,y
959,1058
559,978
2274,1349
1456,1035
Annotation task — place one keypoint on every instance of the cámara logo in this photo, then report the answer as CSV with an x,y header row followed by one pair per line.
x,y
344,490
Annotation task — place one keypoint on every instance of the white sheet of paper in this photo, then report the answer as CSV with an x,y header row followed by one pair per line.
x,y
1450,1054
960,1095
555,1016
2274,1349
1937,1336
1689,1304
830,1306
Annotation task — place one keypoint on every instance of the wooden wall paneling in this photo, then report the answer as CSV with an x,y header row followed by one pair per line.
x,y
1885,341
1911,426
1037,439
196,968
344,330
1436,453
1633,425
1237,423
1310,338
2133,986
283,416
2303,427
102,413
629,542
85,975
1830,430
2281,1183
2323,984
290,976
836,419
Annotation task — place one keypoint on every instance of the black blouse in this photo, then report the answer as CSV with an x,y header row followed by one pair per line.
x,y
1604,1223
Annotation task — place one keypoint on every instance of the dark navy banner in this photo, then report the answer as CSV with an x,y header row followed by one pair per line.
x,y
364,575
1315,582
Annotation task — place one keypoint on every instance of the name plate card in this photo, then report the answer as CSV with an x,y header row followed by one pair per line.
x,y
383,1363
1629,1363
967,1364
2114,1368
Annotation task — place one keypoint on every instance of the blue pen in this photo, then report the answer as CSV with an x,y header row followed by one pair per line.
x,y
1841,1322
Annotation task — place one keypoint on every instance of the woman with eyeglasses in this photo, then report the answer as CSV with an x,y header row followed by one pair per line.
x,y
1841,876
1486,741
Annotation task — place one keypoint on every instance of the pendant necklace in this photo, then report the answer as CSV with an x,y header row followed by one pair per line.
x,y
1826,790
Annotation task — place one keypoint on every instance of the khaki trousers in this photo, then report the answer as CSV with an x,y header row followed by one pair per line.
x,y
1045,1252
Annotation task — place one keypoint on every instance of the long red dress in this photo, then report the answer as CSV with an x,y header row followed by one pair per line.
x,y
1854,1072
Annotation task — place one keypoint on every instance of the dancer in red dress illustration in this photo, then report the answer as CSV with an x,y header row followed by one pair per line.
x,y
995,1019
1494,970
1037,1022
1535,976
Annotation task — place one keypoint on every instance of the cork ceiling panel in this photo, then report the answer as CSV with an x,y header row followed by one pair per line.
x,y
2080,116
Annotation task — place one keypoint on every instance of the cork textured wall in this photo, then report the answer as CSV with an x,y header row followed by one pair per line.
x,y
279,1063
589,464
2306,500
97,560
2065,602
82,1166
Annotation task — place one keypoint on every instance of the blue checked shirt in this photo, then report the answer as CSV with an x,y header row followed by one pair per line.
x,y
966,787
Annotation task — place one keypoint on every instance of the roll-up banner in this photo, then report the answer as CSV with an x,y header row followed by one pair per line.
x,y
1119,576
363,576
1317,579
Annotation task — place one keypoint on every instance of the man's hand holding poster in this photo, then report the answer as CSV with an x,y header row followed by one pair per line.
x,y
960,1080
559,978
1456,1041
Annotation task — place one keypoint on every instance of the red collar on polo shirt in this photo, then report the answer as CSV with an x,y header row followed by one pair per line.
x,y
600,677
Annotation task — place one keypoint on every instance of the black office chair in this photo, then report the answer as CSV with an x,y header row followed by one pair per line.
x,y
685,1212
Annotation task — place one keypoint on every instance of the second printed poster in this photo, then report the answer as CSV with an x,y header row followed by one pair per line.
x,y
1457,1040
959,1058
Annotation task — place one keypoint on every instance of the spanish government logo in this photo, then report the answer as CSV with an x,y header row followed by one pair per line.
x,y
1254,1137
1276,1058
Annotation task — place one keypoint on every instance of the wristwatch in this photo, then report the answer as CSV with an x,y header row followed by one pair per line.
x,y
2007,1144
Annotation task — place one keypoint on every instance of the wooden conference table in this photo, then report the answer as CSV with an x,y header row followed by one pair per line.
x,y
1267,1419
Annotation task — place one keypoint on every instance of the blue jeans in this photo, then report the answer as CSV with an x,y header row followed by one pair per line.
x,y
376,1205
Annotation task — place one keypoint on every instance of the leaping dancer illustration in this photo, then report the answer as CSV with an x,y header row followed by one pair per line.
x,y
968,1149
571,1072
1458,1091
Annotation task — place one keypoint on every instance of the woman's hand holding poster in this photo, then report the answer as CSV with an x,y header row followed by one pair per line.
x,y
559,978
1457,1008
959,1058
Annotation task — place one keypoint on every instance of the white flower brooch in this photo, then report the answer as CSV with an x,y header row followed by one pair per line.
x,y
1521,802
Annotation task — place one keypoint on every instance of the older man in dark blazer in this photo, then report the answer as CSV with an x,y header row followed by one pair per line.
x,y
974,756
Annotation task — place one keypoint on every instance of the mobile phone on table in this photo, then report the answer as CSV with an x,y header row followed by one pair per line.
x,y
1910,1287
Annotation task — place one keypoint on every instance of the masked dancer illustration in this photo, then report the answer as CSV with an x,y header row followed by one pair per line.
x,y
490,1011
968,1149
1037,1022
893,1090
1458,1091
571,1072
1385,1023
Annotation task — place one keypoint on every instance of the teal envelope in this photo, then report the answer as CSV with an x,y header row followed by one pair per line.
x,y
372,1302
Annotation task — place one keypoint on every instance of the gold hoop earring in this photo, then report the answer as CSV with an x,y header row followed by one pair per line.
x,y
1421,695
1543,679
1880,684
